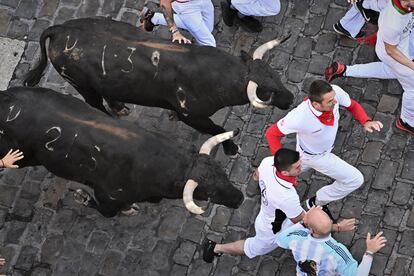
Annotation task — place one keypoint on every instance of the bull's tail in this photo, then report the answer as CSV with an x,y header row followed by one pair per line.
x,y
33,76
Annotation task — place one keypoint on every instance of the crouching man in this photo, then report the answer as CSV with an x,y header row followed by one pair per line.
x,y
279,199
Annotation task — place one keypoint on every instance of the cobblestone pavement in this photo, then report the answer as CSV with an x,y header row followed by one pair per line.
x,y
44,232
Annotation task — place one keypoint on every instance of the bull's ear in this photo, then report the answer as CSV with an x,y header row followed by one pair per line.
x,y
245,56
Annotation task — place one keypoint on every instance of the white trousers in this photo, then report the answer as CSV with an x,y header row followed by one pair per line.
x,y
390,69
196,16
347,177
264,241
353,21
257,7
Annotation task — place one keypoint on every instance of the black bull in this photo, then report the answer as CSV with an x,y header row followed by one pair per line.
x,y
122,162
116,61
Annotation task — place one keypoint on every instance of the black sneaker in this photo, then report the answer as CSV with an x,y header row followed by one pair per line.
x,y
208,250
145,18
338,28
309,203
400,124
227,12
328,212
370,16
249,23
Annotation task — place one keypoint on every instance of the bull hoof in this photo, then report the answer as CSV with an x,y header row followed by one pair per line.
x,y
231,149
118,109
134,210
123,112
81,197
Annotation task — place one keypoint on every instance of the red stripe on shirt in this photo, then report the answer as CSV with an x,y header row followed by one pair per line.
x,y
273,135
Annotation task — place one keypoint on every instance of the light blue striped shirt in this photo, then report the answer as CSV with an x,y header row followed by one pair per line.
x,y
322,257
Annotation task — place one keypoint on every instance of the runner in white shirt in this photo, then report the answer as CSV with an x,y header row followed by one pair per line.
x,y
243,11
315,122
395,48
354,20
277,178
317,253
196,16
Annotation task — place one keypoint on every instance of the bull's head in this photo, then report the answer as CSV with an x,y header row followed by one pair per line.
x,y
265,87
208,181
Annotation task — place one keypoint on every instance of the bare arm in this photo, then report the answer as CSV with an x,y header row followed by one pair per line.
x,y
396,54
298,218
169,17
256,174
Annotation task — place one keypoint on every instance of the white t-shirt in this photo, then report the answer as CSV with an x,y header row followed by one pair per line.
x,y
276,193
393,28
311,135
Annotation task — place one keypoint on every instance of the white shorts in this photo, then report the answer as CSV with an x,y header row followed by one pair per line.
x,y
264,241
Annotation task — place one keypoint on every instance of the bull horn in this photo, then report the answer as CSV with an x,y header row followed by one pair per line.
x,y
251,94
262,49
215,140
189,188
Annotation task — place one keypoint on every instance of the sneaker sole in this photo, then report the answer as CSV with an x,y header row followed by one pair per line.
x,y
401,127
342,33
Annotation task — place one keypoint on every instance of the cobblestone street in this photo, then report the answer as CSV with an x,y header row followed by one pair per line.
x,y
43,231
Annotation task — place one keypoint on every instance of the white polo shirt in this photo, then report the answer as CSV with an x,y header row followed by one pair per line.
x,y
393,28
313,136
276,193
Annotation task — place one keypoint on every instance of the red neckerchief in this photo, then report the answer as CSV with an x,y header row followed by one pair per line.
x,y
397,5
290,179
326,118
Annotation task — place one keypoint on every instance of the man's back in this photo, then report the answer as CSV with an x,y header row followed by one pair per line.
x,y
322,256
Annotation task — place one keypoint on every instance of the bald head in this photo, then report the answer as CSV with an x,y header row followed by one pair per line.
x,y
317,220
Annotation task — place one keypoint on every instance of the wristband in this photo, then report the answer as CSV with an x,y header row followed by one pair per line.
x,y
175,31
369,253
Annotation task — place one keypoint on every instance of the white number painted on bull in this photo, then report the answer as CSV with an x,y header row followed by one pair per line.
x,y
130,60
182,99
155,59
12,117
91,168
115,192
59,130
71,145
67,48
94,165
103,61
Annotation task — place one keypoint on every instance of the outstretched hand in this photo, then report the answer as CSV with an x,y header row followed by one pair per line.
x,y
12,156
370,126
376,243
177,36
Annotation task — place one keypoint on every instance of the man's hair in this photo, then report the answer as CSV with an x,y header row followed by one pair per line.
x,y
317,89
284,158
